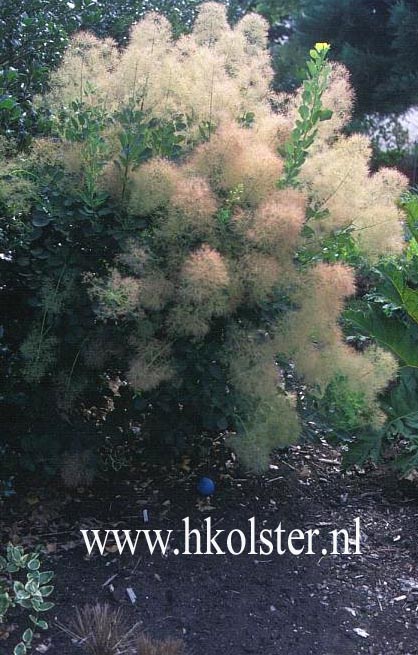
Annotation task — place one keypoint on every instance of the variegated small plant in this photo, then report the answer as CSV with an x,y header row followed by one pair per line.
x,y
29,593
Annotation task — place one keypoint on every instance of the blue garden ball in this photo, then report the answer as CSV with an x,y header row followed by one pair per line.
x,y
206,486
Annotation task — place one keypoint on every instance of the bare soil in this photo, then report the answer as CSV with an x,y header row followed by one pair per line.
x,y
290,605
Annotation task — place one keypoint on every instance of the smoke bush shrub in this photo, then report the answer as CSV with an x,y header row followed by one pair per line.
x,y
34,35
33,38
160,255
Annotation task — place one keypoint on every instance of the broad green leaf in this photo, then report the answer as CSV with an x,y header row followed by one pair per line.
x,y
410,299
366,446
401,339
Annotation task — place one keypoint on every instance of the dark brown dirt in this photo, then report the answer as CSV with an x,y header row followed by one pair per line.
x,y
305,605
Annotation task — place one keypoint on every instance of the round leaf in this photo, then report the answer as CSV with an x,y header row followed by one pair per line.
x,y
33,565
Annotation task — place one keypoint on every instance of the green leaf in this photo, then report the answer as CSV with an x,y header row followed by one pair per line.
x,y
325,114
41,220
21,596
410,300
5,603
20,649
401,404
310,112
18,586
33,576
12,568
304,111
32,586
366,446
395,288
36,604
7,103
45,607
27,636
43,625
401,339
34,564
45,577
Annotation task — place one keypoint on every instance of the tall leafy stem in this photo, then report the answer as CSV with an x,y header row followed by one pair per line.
x,y
311,113
85,124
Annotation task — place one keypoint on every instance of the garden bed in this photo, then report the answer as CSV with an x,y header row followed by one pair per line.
x,y
310,604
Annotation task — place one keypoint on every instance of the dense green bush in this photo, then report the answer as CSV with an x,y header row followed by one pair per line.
x,y
389,315
156,247
34,35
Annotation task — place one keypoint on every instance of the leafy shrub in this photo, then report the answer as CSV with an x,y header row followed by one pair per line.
x,y
399,434
389,315
159,266
28,594
34,35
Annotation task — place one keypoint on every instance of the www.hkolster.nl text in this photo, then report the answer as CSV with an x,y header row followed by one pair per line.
x,y
211,541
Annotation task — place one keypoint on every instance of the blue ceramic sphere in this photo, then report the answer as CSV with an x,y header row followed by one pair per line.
x,y
206,486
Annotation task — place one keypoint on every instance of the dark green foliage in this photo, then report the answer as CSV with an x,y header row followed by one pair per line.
x,y
391,331
273,10
74,233
204,381
34,34
343,407
389,315
339,246
376,39
400,404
